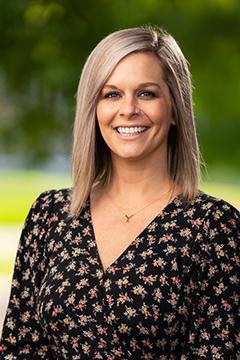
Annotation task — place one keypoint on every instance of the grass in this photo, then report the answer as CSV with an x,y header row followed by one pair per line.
x,y
19,189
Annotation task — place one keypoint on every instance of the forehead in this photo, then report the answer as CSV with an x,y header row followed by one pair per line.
x,y
145,66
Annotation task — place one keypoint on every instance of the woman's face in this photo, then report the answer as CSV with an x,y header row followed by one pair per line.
x,y
134,110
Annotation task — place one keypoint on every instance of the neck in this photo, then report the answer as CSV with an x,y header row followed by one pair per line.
x,y
139,179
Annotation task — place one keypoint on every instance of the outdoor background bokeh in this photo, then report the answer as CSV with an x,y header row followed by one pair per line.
x,y
45,43
43,47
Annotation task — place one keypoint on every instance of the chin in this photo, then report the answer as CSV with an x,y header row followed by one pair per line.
x,y
129,156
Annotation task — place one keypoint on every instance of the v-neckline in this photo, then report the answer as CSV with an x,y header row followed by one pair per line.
x,y
160,214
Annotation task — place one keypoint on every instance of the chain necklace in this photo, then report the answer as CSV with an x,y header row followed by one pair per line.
x,y
128,217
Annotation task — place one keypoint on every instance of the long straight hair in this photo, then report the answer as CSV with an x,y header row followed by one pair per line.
x,y
91,160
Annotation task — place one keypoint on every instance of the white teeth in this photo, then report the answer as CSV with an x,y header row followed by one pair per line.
x,y
131,130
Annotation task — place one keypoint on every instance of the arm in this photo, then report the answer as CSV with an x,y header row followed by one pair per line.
x,y
22,335
215,323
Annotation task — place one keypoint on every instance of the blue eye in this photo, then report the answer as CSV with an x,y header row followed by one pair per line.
x,y
111,95
147,94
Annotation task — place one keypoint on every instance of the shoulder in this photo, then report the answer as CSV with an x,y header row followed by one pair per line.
x,y
52,202
213,221
213,207
218,210
221,229
216,236
54,196
223,221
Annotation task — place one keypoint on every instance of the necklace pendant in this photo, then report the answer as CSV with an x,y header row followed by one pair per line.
x,y
127,217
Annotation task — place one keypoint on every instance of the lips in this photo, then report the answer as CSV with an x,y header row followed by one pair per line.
x,y
130,130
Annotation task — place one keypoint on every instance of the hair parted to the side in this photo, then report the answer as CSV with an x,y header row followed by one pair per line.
x,y
91,161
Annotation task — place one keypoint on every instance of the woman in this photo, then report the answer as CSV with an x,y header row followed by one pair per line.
x,y
133,262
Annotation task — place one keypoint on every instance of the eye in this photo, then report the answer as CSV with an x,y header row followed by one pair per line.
x,y
147,94
112,94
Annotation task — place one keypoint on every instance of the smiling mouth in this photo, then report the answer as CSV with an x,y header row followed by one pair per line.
x,y
130,131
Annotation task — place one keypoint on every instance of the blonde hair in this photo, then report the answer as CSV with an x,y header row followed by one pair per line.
x,y
91,161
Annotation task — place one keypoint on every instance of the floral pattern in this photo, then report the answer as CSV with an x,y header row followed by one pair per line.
x,y
173,292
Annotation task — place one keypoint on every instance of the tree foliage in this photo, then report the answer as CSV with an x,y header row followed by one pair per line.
x,y
45,43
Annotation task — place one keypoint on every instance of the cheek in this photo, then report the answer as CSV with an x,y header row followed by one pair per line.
x,y
104,113
161,114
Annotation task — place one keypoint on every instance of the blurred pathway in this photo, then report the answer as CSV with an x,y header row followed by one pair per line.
x,y
9,238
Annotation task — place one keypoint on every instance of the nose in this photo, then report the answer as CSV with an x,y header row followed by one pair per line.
x,y
128,107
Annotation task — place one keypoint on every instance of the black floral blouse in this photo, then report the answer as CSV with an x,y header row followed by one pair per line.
x,y
174,290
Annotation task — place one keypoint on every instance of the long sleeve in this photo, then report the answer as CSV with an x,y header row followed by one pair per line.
x,y
22,335
215,319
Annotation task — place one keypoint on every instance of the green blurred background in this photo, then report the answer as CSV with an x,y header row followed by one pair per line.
x,y
43,47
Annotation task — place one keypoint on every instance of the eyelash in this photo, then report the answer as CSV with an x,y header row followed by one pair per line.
x,y
110,95
114,94
150,93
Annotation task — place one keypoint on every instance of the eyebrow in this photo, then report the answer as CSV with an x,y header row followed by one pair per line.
x,y
140,85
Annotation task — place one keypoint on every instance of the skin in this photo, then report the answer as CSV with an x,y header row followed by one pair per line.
x,y
139,162
126,102
136,94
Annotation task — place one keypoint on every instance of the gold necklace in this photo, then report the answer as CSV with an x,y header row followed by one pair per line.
x,y
128,217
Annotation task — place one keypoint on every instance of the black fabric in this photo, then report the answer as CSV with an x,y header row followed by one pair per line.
x,y
173,291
